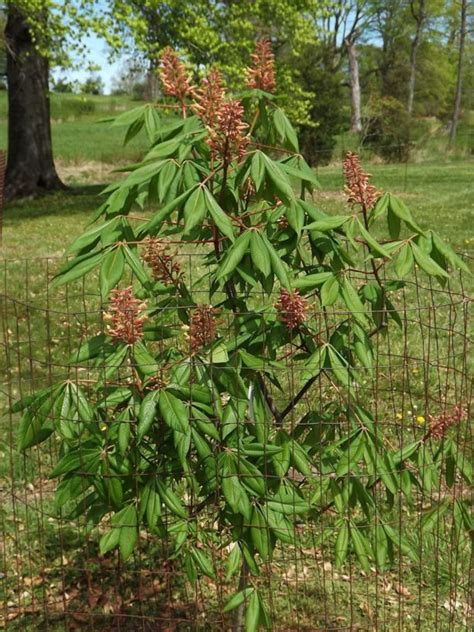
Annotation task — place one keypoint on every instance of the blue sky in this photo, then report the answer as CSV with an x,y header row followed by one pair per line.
x,y
97,55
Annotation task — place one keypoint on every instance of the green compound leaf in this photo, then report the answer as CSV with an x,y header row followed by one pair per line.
x,y
111,271
252,614
259,254
342,546
426,263
173,412
234,256
220,219
194,210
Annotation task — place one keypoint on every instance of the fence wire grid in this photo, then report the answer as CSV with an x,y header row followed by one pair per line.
x,y
52,576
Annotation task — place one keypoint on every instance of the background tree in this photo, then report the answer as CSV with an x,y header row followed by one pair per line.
x,y
63,85
3,50
418,11
30,164
343,24
130,80
220,34
388,28
354,82
38,34
326,115
93,85
460,71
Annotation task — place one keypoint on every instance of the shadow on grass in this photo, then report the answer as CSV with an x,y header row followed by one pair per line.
x,y
75,199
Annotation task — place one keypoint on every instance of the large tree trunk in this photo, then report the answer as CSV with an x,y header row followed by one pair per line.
x,y
30,165
356,117
419,19
457,99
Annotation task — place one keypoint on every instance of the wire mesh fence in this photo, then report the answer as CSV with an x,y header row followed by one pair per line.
x,y
384,542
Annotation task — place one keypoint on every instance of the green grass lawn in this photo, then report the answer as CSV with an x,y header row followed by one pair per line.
x,y
439,195
79,136
439,191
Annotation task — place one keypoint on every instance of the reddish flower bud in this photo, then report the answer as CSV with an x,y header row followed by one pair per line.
x,y
209,98
126,316
357,188
174,77
291,308
227,138
261,75
164,266
440,424
202,327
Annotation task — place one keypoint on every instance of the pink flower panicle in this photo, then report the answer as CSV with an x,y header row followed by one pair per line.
x,y
261,74
202,327
209,98
126,316
291,308
164,266
227,138
440,424
174,77
223,119
357,188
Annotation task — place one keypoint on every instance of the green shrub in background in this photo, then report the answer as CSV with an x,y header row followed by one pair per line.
x,y
71,106
326,117
388,129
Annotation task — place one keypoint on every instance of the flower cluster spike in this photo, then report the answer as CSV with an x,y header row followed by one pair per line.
x,y
174,77
291,308
202,327
209,98
261,75
441,423
357,188
164,266
227,139
125,316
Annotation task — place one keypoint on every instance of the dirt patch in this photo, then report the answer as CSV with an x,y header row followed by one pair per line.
x,y
91,172
329,195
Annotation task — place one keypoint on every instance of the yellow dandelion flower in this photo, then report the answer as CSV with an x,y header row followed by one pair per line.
x,y
399,416
420,420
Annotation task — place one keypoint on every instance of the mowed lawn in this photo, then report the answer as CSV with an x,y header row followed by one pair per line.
x,y
440,192
440,196
81,133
